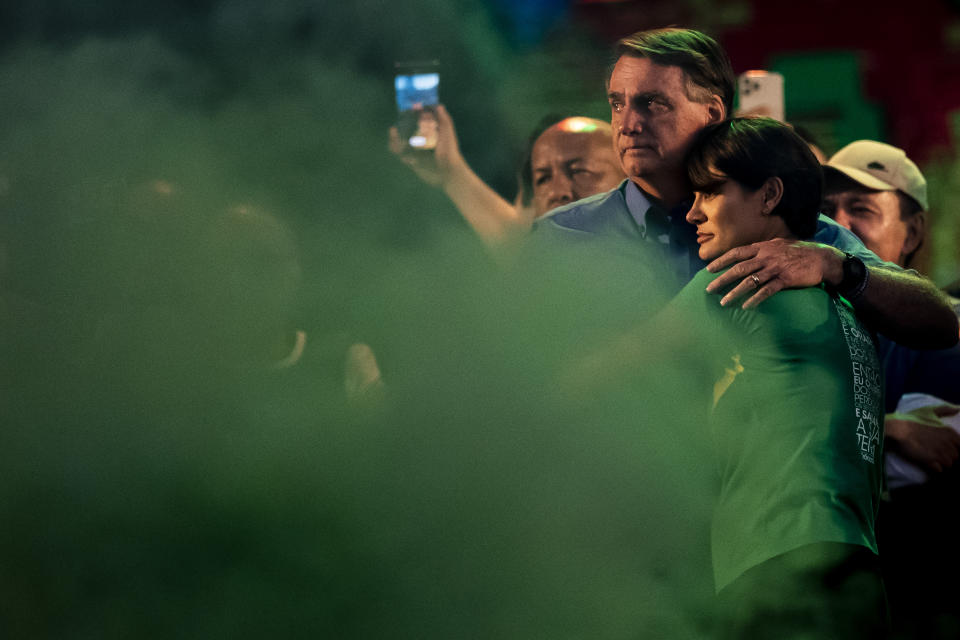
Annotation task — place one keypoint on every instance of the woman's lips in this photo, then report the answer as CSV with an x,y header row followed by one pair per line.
x,y
703,237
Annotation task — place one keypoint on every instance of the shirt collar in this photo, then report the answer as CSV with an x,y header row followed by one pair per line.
x,y
637,204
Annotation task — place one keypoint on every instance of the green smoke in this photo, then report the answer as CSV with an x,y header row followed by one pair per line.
x,y
173,210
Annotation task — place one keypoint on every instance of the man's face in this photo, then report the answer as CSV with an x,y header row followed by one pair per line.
x,y
654,122
874,216
569,165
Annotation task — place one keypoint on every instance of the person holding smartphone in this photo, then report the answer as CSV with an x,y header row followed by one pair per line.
x,y
568,160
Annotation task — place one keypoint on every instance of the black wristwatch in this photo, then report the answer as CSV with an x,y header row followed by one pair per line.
x,y
855,277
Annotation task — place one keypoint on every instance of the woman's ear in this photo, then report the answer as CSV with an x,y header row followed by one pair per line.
x,y
770,194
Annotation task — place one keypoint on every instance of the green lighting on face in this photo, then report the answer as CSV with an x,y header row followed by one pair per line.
x,y
577,125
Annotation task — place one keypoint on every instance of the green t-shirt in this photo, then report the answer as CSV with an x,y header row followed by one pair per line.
x,y
797,423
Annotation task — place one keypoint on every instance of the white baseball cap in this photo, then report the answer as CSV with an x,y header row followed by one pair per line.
x,y
880,166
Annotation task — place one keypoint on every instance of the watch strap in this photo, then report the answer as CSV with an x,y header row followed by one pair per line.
x,y
855,278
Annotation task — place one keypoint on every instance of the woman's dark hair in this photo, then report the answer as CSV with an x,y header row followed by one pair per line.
x,y
751,150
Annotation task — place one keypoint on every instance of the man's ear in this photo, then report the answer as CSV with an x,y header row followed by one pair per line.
x,y
716,111
916,232
771,192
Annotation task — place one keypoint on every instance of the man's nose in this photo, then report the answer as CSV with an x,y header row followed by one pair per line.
x,y
560,189
632,121
842,217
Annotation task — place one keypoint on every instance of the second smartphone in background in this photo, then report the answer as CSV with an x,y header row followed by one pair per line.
x,y
761,93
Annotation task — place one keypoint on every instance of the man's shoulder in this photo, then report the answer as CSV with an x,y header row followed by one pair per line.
x,y
589,214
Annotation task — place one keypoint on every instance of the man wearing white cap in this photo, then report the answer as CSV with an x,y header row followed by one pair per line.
x,y
877,192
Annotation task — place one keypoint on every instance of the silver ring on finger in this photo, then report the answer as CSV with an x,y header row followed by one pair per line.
x,y
756,280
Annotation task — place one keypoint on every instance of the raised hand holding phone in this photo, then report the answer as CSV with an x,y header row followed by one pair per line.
x,y
445,161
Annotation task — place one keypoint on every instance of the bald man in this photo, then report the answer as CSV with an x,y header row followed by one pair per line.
x,y
571,159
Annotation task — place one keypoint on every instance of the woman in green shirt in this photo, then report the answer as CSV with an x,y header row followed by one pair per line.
x,y
796,408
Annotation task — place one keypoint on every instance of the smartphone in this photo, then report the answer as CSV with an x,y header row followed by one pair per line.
x,y
761,93
417,87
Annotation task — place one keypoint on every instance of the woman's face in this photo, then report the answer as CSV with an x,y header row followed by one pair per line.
x,y
727,216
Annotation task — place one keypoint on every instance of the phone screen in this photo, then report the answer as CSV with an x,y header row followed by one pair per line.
x,y
417,95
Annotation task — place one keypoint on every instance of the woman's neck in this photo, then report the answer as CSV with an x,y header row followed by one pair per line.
x,y
777,228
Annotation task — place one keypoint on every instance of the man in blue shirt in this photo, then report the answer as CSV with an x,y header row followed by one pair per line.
x,y
665,87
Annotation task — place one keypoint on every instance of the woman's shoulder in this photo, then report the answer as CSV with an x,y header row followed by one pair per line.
x,y
797,309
